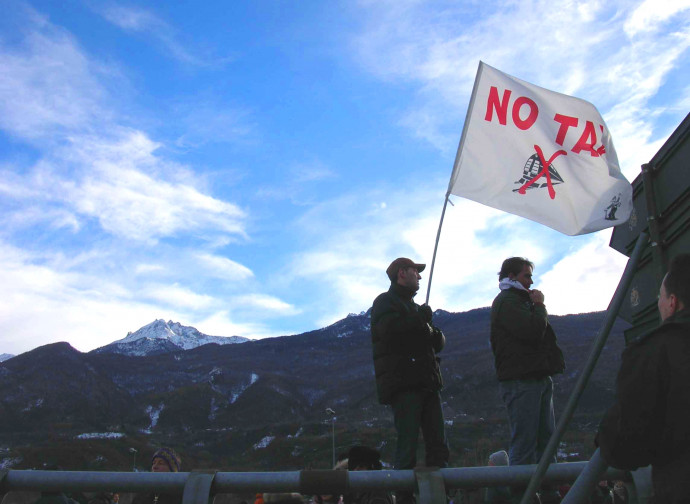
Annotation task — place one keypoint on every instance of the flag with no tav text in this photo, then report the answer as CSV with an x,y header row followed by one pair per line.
x,y
541,155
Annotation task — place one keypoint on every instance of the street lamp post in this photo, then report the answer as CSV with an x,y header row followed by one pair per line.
x,y
332,413
134,462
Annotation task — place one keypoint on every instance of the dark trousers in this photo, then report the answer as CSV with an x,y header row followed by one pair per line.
x,y
414,410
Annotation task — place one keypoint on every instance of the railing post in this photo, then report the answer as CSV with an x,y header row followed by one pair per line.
x,y
642,481
431,485
587,480
197,489
3,478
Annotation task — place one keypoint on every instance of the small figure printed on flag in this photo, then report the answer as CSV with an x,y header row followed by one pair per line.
x,y
610,213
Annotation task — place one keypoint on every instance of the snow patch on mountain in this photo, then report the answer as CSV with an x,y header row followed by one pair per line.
x,y
237,391
154,413
264,442
5,356
214,409
100,435
9,462
297,434
35,404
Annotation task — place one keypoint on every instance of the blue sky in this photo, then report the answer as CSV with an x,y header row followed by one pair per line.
x,y
251,168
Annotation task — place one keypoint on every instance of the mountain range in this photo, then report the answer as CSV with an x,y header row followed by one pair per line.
x,y
262,405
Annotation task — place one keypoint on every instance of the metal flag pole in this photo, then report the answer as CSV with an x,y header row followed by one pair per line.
x,y
433,259
454,175
597,347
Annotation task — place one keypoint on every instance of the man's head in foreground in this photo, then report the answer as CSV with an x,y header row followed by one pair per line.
x,y
674,293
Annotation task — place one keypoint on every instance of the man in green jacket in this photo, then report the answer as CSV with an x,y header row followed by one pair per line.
x,y
408,376
526,356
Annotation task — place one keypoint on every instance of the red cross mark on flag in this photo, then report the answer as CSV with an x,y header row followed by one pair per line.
x,y
544,171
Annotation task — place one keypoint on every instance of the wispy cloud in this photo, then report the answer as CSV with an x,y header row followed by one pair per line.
x,y
204,121
179,297
42,304
299,182
48,85
48,297
651,16
134,19
91,166
589,275
222,267
269,306
615,54
122,184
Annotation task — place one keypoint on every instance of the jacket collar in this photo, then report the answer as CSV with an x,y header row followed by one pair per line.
x,y
402,291
680,317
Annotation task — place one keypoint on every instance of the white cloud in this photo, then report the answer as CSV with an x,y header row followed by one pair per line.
x,y
310,172
222,267
438,49
220,323
42,305
48,84
588,277
649,15
180,297
268,305
204,119
132,203
138,20
122,184
143,269
49,298
91,167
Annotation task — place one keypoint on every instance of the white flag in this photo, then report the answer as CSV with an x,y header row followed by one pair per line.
x,y
541,155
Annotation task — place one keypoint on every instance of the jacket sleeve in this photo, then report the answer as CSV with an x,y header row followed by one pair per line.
x,y
522,319
438,339
630,429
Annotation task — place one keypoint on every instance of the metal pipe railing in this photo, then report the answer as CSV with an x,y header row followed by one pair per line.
x,y
305,482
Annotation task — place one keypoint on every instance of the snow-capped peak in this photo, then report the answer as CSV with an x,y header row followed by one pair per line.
x,y
184,337
162,337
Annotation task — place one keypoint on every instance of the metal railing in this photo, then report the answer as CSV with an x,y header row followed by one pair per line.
x,y
430,484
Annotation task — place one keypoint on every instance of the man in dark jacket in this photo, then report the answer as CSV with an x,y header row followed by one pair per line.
x,y
650,420
526,356
408,377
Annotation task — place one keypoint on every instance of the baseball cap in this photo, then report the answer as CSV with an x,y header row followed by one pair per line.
x,y
402,263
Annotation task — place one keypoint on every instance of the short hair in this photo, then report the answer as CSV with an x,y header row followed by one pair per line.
x,y
363,456
677,280
513,265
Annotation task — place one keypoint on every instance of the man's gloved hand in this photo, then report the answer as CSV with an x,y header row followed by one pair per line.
x,y
426,313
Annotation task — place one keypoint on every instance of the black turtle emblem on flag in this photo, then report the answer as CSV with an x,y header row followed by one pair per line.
x,y
533,167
